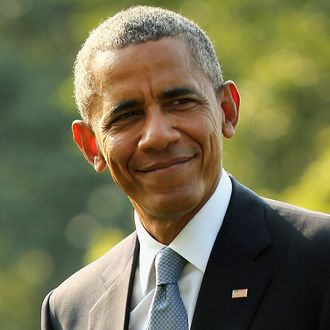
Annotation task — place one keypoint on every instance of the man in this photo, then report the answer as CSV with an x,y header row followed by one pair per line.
x,y
155,107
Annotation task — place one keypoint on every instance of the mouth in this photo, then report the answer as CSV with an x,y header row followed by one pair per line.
x,y
163,165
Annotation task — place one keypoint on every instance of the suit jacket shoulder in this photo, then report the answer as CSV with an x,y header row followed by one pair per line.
x,y
304,233
69,305
310,223
280,254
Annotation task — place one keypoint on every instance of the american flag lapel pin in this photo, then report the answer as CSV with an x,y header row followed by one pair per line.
x,y
239,293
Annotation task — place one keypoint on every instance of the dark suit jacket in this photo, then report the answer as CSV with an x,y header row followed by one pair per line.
x,y
280,253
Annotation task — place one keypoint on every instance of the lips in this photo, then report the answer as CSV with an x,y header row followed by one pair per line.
x,y
164,164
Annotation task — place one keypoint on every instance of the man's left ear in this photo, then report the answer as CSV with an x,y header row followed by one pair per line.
x,y
230,102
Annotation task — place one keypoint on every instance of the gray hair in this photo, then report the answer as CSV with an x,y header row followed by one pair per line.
x,y
138,25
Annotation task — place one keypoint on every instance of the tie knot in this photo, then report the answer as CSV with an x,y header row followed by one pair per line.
x,y
169,265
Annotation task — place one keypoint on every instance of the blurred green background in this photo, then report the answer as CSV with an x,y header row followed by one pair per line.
x,y
57,214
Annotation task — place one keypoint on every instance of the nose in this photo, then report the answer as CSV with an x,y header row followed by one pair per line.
x,y
159,131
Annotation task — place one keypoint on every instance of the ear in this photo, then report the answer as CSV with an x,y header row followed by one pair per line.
x,y
230,102
86,142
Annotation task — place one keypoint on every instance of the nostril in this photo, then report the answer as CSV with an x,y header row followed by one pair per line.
x,y
159,137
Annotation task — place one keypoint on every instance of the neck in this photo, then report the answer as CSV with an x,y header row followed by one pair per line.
x,y
165,227
162,230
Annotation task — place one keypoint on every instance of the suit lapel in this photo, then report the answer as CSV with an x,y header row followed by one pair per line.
x,y
111,311
232,265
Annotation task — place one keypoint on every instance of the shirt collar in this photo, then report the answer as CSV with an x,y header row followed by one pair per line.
x,y
205,225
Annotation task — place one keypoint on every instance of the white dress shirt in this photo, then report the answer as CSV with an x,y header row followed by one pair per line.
x,y
194,243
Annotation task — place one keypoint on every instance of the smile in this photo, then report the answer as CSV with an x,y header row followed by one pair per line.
x,y
163,165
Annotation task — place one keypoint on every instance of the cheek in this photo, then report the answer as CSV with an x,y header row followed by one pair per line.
x,y
117,152
209,132
212,143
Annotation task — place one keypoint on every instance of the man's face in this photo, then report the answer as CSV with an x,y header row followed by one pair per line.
x,y
158,124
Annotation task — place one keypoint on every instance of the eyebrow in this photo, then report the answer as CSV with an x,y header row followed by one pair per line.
x,y
167,94
129,104
125,105
177,92
119,108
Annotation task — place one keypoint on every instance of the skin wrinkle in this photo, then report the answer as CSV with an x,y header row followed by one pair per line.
x,y
175,91
122,30
101,75
182,131
174,216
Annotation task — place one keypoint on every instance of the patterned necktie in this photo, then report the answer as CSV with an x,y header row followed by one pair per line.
x,y
167,311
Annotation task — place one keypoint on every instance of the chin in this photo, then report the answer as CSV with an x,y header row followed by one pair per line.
x,y
174,207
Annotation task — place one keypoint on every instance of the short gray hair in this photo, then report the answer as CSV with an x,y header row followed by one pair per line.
x,y
138,25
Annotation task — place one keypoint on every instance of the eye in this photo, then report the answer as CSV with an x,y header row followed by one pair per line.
x,y
122,119
182,103
126,116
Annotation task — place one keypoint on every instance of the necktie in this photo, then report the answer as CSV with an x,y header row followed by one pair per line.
x,y
167,311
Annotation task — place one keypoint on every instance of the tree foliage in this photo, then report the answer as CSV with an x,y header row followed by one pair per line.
x,y
57,214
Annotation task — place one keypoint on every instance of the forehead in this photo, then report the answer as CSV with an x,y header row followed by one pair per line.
x,y
170,47
165,61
